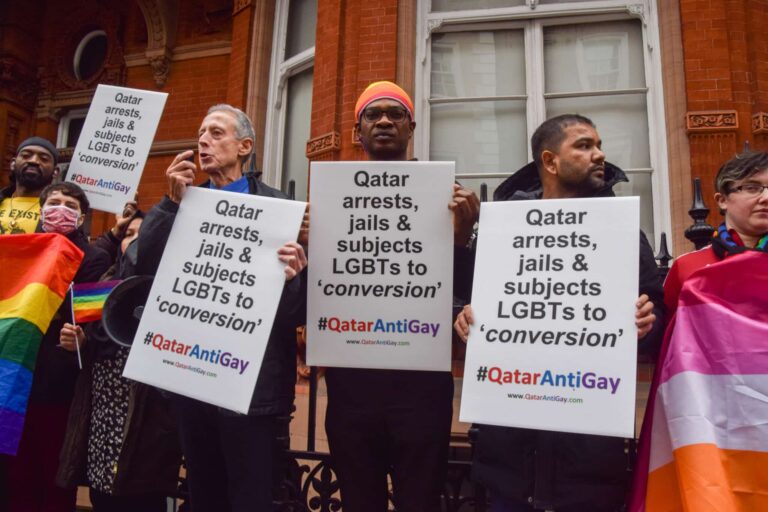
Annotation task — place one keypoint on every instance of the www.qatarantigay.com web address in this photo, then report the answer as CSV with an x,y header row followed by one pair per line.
x,y
546,398
391,343
191,368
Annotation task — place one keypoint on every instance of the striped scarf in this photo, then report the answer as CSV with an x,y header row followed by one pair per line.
x,y
725,243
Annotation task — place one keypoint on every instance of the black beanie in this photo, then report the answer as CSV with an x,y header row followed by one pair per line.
x,y
44,143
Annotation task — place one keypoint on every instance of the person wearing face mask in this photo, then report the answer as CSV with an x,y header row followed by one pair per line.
x,y
30,474
32,169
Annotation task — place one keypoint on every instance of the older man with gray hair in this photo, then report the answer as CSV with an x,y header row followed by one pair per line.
x,y
229,456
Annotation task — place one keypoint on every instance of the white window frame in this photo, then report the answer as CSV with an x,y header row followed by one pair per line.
x,y
532,18
280,71
81,47
63,132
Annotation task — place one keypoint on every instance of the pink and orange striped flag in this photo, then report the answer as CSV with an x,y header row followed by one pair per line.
x,y
704,446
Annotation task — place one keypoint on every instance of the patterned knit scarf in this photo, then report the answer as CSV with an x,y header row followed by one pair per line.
x,y
724,244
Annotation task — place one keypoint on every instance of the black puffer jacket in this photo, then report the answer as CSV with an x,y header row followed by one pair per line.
x,y
56,370
554,470
277,378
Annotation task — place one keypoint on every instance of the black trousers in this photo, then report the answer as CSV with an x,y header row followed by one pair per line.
x,y
396,422
103,502
229,458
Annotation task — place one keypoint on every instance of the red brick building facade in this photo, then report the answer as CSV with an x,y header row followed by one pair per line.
x,y
700,83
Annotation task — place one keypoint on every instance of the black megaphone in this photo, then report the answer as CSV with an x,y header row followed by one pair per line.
x,y
123,308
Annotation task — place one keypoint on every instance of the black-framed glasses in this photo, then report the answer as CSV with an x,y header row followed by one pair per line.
x,y
750,189
373,114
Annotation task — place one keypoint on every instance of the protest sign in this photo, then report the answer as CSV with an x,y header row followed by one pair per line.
x,y
554,343
213,302
380,281
114,143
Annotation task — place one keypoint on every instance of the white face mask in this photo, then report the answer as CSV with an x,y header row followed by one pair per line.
x,y
59,219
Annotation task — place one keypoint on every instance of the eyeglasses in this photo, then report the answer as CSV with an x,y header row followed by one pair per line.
x,y
373,114
750,189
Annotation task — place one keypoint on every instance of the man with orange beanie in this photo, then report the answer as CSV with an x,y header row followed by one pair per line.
x,y
394,422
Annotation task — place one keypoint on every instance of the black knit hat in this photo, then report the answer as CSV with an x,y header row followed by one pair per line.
x,y
44,143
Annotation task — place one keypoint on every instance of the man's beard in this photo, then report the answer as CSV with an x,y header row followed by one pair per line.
x,y
585,186
32,181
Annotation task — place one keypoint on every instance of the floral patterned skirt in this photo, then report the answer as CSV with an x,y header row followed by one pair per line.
x,y
109,413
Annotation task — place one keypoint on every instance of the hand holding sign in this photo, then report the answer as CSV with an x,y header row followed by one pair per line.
x,y
466,210
292,254
644,316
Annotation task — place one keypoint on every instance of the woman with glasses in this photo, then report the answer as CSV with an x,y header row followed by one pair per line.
x,y
742,196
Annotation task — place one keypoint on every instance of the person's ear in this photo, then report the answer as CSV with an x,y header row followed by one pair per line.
x,y
13,164
56,172
356,133
412,127
721,200
246,147
549,162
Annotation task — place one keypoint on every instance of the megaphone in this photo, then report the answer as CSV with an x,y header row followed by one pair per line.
x,y
123,308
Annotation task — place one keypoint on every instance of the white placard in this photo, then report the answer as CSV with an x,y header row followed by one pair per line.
x,y
214,298
114,143
554,344
380,276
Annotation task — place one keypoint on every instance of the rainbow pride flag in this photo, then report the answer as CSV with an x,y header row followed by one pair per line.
x,y
88,300
37,270
704,446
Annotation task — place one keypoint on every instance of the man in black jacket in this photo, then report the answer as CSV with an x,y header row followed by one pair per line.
x,y
229,456
524,469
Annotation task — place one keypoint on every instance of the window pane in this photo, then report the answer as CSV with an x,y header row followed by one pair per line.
x,y
563,1
478,64
621,120
487,136
92,53
458,5
295,162
73,132
640,185
594,57
475,184
302,20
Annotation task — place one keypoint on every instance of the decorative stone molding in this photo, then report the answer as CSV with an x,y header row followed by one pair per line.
x,y
160,17
160,61
239,5
65,155
18,82
323,144
171,147
760,123
638,11
51,106
186,52
712,121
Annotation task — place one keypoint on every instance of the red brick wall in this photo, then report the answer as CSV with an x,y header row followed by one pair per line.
x,y
726,69
356,44
239,59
